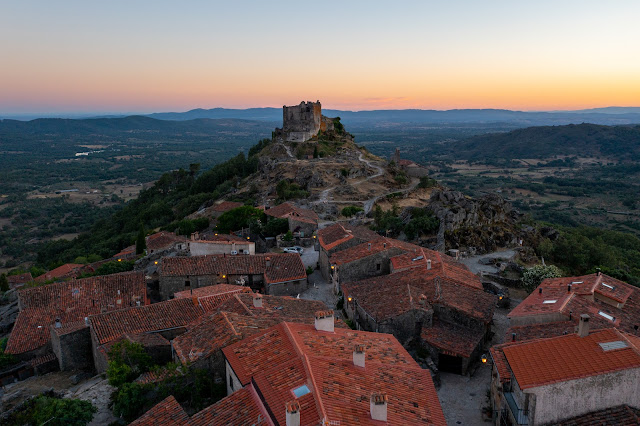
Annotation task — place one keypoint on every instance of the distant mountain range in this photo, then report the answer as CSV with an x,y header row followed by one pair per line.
x,y
356,119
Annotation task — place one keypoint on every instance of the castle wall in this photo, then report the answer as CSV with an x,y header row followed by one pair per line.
x,y
301,122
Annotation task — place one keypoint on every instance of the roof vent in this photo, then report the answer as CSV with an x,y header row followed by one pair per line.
x,y
583,327
513,337
58,323
569,288
428,263
369,246
378,405
384,245
293,413
324,321
358,355
86,320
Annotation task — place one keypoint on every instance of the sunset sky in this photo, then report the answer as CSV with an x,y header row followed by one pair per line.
x,y
151,56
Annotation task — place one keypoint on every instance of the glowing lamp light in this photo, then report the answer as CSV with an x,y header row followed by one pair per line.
x,y
156,262
119,260
314,237
216,234
224,276
349,298
500,297
333,267
247,238
484,359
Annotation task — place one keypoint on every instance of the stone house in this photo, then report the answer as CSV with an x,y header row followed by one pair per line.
x,y
547,381
276,274
300,220
559,302
429,299
221,244
65,306
337,237
61,273
219,209
17,281
167,319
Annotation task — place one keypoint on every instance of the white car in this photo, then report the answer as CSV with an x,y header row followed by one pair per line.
x,y
290,250
299,249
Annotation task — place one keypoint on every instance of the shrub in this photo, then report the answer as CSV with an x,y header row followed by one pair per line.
x,y
127,360
52,411
533,276
288,236
351,211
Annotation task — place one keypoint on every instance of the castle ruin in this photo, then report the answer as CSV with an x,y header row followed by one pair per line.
x,y
302,122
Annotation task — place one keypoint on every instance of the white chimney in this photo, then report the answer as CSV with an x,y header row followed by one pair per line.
x,y
267,262
324,321
86,320
257,300
58,323
378,405
583,326
358,356
293,413
428,263
369,246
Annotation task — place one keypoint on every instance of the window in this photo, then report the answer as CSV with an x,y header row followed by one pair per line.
x,y
609,346
301,391
377,266
607,316
610,287
230,382
549,301
187,285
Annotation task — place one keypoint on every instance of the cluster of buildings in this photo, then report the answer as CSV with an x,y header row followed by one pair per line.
x,y
570,356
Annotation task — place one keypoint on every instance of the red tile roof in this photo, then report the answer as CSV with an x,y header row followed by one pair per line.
x,y
453,339
243,407
288,210
71,301
289,355
142,319
339,233
540,331
620,415
19,280
283,266
213,290
162,240
557,359
283,307
589,296
457,295
166,412
68,270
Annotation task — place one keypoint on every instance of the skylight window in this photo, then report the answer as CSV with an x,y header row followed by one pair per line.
x,y
577,282
607,286
301,391
549,301
607,316
609,346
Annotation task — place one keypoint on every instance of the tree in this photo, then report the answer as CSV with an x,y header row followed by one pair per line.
x,y
315,151
241,217
141,242
4,283
533,276
49,410
288,236
127,360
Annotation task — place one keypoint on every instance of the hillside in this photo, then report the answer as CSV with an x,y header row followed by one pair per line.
x,y
621,142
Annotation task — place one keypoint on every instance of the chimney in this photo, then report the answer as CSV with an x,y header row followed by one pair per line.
x,y
257,300
324,321
369,246
267,262
583,327
384,245
568,288
137,303
358,355
86,321
428,263
193,236
513,337
293,413
378,404
58,323
539,290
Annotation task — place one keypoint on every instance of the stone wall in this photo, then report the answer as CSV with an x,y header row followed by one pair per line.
x,y
301,122
198,248
289,288
370,266
73,349
174,284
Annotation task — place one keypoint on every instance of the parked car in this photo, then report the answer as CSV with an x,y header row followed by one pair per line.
x,y
290,250
299,249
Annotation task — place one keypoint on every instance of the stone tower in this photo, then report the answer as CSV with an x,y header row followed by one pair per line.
x,y
301,122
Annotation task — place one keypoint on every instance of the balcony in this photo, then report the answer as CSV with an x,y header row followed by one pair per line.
x,y
521,416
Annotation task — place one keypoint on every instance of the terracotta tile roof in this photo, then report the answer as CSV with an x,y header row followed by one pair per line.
x,y
225,206
587,296
288,210
283,307
243,407
147,339
283,266
500,362
71,301
371,248
162,240
125,253
338,233
166,412
42,359
453,339
620,415
557,359
157,376
289,355
142,319
68,270
438,290
19,280
69,327
213,290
